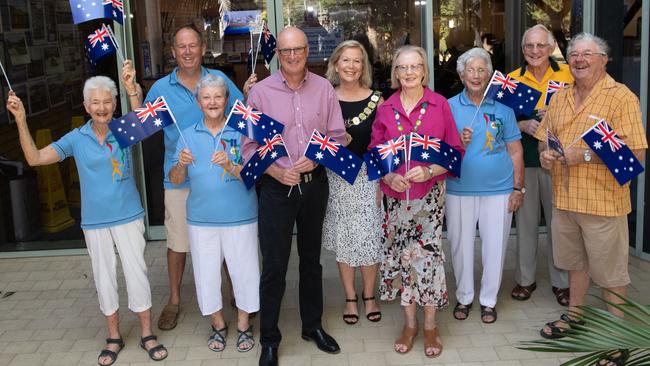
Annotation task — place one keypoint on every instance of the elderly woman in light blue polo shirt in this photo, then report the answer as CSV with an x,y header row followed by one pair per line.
x,y
111,213
221,214
490,187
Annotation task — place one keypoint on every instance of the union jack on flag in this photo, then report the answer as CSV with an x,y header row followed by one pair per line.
x,y
391,147
339,160
619,159
98,36
553,86
504,81
272,150
420,146
99,44
269,145
114,9
151,109
512,93
385,158
252,123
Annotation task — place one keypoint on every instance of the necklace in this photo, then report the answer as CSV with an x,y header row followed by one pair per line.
x,y
418,122
367,111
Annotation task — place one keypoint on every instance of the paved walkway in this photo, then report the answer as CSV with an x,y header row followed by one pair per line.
x,y
52,318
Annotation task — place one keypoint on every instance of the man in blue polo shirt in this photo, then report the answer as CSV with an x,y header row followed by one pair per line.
x,y
178,89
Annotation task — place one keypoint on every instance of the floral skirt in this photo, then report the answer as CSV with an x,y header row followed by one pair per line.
x,y
413,262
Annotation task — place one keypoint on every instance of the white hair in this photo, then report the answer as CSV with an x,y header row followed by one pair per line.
x,y
588,37
99,83
550,39
473,53
211,80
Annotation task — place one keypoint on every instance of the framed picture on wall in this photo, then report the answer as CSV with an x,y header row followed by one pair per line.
x,y
16,44
55,91
50,21
17,74
38,100
76,93
53,60
18,14
37,21
36,68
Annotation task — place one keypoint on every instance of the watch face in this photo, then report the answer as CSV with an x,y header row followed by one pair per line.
x,y
523,190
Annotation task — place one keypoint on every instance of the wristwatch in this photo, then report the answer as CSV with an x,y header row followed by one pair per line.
x,y
586,155
430,168
522,190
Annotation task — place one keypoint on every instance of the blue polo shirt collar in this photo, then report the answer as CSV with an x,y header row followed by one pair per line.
x,y
173,79
87,130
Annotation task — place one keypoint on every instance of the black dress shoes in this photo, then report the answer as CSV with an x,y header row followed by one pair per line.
x,y
269,356
323,340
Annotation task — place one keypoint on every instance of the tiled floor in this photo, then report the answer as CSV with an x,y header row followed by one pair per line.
x,y
52,318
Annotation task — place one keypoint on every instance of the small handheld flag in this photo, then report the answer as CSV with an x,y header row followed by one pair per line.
x,y
114,9
613,151
514,94
252,123
553,142
99,44
322,149
552,88
141,123
272,150
268,45
385,158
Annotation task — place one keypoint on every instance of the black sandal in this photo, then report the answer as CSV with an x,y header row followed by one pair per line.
x,y
351,319
488,311
152,351
111,354
463,309
373,316
218,336
558,332
619,360
245,336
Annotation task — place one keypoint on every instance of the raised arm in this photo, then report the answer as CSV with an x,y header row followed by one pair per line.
x,y
133,89
33,155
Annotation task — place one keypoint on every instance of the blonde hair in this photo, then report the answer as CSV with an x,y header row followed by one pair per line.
x,y
331,74
394,82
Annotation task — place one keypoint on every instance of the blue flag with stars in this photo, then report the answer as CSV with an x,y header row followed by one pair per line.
x,y
141,123
432,150
253,124
267,45
99,44
114,9
613,151
513,93
270,151
324,150
450,158
385,158
85,10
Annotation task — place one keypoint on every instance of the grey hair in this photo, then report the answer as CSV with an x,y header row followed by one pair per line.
x,y
588,37
550,39
211,80
99,83
473,53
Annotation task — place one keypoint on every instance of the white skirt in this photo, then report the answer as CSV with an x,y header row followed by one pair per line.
x,y
352,227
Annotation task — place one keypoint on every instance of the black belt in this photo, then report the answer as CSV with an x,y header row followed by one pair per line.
x,y
309,176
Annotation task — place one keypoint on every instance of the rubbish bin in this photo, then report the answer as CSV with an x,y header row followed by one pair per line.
x,y
25,205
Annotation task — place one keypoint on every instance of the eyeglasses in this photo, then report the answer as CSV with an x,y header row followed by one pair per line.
x,y
479,71
586,54
532,46
296,51
403,69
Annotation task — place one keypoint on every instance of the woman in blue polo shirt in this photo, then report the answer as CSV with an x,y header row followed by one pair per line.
x,y
490,187
111,213
221,214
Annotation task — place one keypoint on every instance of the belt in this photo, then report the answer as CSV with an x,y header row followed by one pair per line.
x,y
309,176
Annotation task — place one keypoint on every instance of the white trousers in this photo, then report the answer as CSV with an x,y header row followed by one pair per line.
x,y
129,240
494,221
237,245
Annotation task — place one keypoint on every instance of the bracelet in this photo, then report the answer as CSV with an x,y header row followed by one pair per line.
x,y
133,94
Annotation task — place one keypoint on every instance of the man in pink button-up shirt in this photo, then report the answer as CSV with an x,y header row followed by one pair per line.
x,y
302,101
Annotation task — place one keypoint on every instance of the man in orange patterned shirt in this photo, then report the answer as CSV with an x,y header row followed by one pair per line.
x,y
590,231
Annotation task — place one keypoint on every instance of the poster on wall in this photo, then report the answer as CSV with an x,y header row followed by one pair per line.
x,y
17,74
16,44
37,21
56,91
38,101
18,14
53,61
241,22
50,22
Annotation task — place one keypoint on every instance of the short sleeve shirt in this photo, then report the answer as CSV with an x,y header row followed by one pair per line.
x,y
185,109
109,196
487,168
592,189
217,198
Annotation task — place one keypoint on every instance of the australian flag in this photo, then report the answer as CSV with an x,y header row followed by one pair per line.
x,y
385,158
613,151
99,44
450,159
114,9
85,10
142,122
253,124
553,142
553,86
272,150
267,45
514,94
322,149
432,150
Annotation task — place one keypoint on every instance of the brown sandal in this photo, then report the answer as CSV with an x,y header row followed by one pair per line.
x,y
522,293
432,340
562,295
407,337
169,317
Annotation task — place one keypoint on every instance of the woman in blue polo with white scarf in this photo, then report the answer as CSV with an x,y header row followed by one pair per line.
x,y
221,214
111,213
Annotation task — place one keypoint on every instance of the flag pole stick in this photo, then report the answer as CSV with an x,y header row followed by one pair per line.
x,y
291,161
482,99
221,133
180,133
257,49
111,36
124,30
5,75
